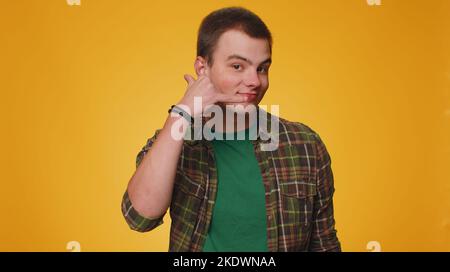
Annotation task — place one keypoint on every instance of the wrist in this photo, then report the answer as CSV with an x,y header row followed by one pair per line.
x,y
181,110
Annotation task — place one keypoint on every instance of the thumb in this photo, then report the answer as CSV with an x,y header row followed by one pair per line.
x,y
189,79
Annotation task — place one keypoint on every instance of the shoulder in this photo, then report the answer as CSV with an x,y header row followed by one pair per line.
x,y
297,132
302,136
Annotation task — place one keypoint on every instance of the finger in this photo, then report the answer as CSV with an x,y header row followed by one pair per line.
x,y
202,77
231,98
189,79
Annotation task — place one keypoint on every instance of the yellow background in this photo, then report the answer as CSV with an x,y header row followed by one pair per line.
x,y
83,87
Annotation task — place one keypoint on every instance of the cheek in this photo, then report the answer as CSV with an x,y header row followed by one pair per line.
x,y
264,87
227,83
264,82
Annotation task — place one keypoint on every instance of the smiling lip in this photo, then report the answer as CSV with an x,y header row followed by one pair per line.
x,y
250,95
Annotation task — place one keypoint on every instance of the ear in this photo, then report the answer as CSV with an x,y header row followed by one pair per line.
x,y
201,66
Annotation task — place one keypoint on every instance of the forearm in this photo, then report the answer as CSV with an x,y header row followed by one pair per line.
x,y
150,188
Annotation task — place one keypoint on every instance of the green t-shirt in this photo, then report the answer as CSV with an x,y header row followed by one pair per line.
x,y
239,217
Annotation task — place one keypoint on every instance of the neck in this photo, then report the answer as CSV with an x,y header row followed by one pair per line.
x,y
231,118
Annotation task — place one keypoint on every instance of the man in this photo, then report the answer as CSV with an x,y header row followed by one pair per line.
x,y
233,195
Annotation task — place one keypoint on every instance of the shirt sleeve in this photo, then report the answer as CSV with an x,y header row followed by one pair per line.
x,y
323,236
135,220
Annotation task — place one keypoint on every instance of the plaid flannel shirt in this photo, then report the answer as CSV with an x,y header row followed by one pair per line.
x,y
299,190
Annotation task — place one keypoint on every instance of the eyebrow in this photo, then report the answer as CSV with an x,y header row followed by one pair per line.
x,y
235,56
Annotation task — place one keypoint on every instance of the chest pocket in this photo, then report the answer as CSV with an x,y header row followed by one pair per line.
x,y
297,202
191,184
297,187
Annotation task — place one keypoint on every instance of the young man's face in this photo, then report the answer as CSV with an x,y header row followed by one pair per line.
x,y
241,66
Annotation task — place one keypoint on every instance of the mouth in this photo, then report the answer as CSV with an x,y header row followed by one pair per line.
x,y
251,96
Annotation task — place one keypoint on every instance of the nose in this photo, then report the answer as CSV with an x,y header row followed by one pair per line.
x,y
252,79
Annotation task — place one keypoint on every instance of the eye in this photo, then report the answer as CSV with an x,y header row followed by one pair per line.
x,y
263,69
236,66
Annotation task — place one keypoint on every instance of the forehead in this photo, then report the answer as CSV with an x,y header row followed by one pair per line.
x,y
235,42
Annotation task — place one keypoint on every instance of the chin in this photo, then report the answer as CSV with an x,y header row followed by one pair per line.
x,y
241,107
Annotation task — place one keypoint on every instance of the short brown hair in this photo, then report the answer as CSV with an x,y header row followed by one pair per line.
x,y
222,20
